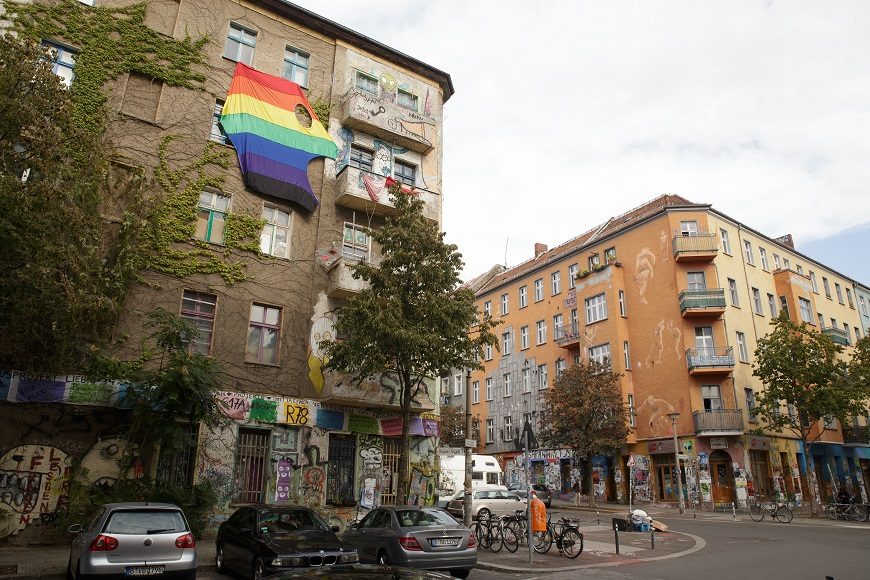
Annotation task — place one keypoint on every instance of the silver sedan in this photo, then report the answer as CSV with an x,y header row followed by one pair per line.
x,y
416,537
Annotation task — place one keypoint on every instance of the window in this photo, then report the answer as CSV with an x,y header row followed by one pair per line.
x,y
507,342
217,132
63,60
632,414
560,367
849,298
252,455
696,280
542,376
609,255
211,217
524,296
240,44
573,270
275,235
596,309
750,404
747,252
445,386
763,254
839,293
756,301
626,355
786,263
407,100
827,287
806,312
508,384
527,380
783,305
489,389
355,245
404,173
457,384
504,304
556,283
508,431
593,262
487,352
621,295
712,397
689,228
863,305
704,338
726,244
475,392
264,330
857,333
490,431
539,289
558,326
742,351
771,303
176,465
541,332
813,280
821,320
732,289
848,334
296,67
524,337
199,310
487,309
361,158
800,269
141,97
776,262
339,484
366,82
600,353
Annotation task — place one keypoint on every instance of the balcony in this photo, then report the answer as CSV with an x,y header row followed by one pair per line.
x,y
695,247
710,361
856,437
700,303
342,284
719,422
837,335
365,191
567,335
385,119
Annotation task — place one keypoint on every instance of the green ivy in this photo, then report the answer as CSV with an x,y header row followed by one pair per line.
x,y
323,109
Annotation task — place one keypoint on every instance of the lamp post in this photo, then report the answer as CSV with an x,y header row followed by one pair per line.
x,y
466,504
674,416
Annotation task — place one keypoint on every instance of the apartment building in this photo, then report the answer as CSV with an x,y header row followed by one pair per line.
x,y
674,295
263,302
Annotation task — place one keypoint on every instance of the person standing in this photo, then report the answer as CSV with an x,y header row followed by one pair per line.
x,y
576,489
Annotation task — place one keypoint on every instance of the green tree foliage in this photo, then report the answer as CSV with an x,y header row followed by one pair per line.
x,y
584,411
413,319
452,425
806,384
60,288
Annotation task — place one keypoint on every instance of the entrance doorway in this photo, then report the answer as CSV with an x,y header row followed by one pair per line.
x,y
722,477
787,476
760,469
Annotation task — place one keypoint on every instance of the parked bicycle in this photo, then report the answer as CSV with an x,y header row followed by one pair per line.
x,y
567,537
492,534
777,510
846,511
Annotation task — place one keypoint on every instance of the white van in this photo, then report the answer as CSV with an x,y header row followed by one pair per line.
x,y
485,470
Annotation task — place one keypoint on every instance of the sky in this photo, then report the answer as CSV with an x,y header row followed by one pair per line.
x,y
568,113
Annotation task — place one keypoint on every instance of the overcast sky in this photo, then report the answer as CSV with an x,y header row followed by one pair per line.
x,y
567,113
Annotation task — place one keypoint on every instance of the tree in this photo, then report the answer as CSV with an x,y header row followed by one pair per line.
x,y
584,411
800,371
413,319
452,425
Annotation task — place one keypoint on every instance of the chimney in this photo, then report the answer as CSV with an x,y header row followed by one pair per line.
x,y
540,249
785,240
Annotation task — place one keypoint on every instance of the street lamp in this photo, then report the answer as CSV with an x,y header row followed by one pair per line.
x,y
674,416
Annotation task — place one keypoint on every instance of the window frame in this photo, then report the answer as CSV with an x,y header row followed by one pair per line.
x,y
56,51
540,332
747,252
475,392
507,379
726,241
264,326
241,41
525,339
742,348
507,342
361,158
539,290
213,210
405,172
197,315
805,307
543,378
362,75
524,296
526,378
488,388
306,67
600,353
732,291
414,98
275,227
505,303
708,388
596,308
573,270
217,134
352,249
762,253
756,300
556,283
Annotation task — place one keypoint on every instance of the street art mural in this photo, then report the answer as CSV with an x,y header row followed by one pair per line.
x,y
644,268
705,479
666,334
654,412
640,478
322,328
740,483
34,485
371,453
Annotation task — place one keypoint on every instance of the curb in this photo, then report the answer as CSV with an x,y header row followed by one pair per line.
x,y
699,545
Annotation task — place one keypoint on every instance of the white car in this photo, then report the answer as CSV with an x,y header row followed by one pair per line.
x,y
486,501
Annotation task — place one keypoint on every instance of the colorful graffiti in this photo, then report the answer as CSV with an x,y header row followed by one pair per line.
x,y
640,478
34,482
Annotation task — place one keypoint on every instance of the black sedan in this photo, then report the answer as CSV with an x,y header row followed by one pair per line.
x,y
259,541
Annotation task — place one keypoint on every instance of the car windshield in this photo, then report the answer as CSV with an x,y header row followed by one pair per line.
x,y
276,522
145,522
423,517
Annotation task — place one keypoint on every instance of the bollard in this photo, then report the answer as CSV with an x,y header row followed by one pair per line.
x,y
694,511
733,510
598,516
652,538
616,537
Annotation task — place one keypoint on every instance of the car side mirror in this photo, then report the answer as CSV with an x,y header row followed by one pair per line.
x,y
335,529
76,528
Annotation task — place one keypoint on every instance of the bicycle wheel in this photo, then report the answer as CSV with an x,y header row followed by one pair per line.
x,y
756,512
511,543
783,514
496,540
518,529
542,541
857,512
481,532
831,512
572,543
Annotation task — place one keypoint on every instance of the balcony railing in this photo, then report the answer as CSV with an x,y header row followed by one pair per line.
x,y
699,302
342,284
383,118
366,191
837,335
695,247
717,359
856,436
567,334
718,422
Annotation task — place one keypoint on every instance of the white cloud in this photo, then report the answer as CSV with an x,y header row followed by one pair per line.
x,y
567,113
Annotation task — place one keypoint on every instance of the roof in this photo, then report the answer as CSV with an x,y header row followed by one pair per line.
x,y
335,30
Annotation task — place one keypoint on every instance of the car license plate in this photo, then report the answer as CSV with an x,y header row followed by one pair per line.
x,y
438,542
145,570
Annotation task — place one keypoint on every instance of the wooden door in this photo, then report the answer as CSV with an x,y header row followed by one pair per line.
x,y
723,480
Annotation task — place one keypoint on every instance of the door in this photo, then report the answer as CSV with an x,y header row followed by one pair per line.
x,y
760,469
722,477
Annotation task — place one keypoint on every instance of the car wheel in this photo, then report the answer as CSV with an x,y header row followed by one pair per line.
x,y
257,572
219,559
460,572
383,559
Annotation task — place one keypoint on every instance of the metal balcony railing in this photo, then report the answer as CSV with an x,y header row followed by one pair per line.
x,y
710,298
856,436
713,357
567,332
695,243
720,420
839,336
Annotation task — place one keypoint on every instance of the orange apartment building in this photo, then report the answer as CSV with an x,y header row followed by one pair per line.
x,y
675,295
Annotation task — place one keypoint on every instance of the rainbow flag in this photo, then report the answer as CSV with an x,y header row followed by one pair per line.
x,y
274,148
